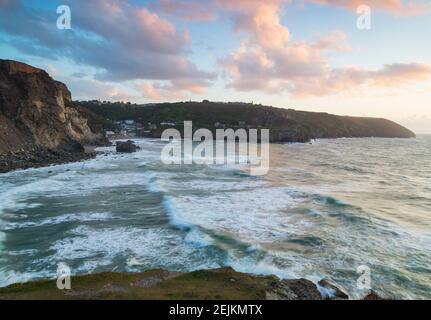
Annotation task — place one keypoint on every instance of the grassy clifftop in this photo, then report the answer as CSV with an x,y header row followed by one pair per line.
x,y
218,284
214,284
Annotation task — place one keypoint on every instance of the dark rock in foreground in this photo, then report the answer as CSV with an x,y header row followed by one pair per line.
x,y
39,157
374,296
127,147
217,284
335,292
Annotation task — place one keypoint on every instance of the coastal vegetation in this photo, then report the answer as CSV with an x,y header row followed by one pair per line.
x,y
215,284
286,125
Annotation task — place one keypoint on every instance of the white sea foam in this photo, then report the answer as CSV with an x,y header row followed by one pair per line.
x,y
198,238
326,293
81,217
150,247
259,214
282,223
8,277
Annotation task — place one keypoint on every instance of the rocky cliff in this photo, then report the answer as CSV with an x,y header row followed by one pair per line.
x,y
37,116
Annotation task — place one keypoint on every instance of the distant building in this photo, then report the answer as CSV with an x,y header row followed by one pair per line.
x,y
130,122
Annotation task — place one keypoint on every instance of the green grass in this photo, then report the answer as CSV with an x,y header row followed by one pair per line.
x,y
216,284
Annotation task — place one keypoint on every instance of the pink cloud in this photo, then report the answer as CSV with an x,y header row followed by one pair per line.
x,y
120,39
150,91
302,70
261,19
206,10
273,64
173,90
397,7
352,78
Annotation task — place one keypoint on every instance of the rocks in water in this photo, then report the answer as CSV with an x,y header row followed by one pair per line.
x,y
127,147
330,291
374,296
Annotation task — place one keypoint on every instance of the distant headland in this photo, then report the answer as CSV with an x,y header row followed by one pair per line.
x,y
286,125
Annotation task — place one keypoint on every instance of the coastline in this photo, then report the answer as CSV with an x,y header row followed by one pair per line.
x,y
212,284
38,158
106,280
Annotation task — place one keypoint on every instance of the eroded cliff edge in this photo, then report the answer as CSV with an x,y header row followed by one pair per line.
x,y
39,123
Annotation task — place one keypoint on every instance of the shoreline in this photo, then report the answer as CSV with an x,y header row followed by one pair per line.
x,y
159,284
39,158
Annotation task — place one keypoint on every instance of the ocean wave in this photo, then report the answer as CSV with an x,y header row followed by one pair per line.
x,y
65,218
152,247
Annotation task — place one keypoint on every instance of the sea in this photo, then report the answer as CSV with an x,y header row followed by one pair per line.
x,y
330,209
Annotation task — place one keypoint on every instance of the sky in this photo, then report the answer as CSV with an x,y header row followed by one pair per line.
x,y
312,55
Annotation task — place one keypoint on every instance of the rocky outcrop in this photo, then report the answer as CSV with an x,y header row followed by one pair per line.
x,y
126,147
293,289
37,116
330,291
373,296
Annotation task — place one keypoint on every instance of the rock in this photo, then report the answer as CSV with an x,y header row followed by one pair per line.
x,y
331,292
303,289
374,296
127,147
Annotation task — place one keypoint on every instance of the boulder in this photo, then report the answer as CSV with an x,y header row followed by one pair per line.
x,y
127,147
300,289
331,291
374,296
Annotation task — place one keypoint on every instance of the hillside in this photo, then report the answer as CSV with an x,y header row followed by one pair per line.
x,y
287,125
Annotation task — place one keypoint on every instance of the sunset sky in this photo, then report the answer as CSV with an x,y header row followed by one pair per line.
x,y
303,54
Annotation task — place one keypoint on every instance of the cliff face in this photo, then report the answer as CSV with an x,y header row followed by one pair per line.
x,y
37,112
